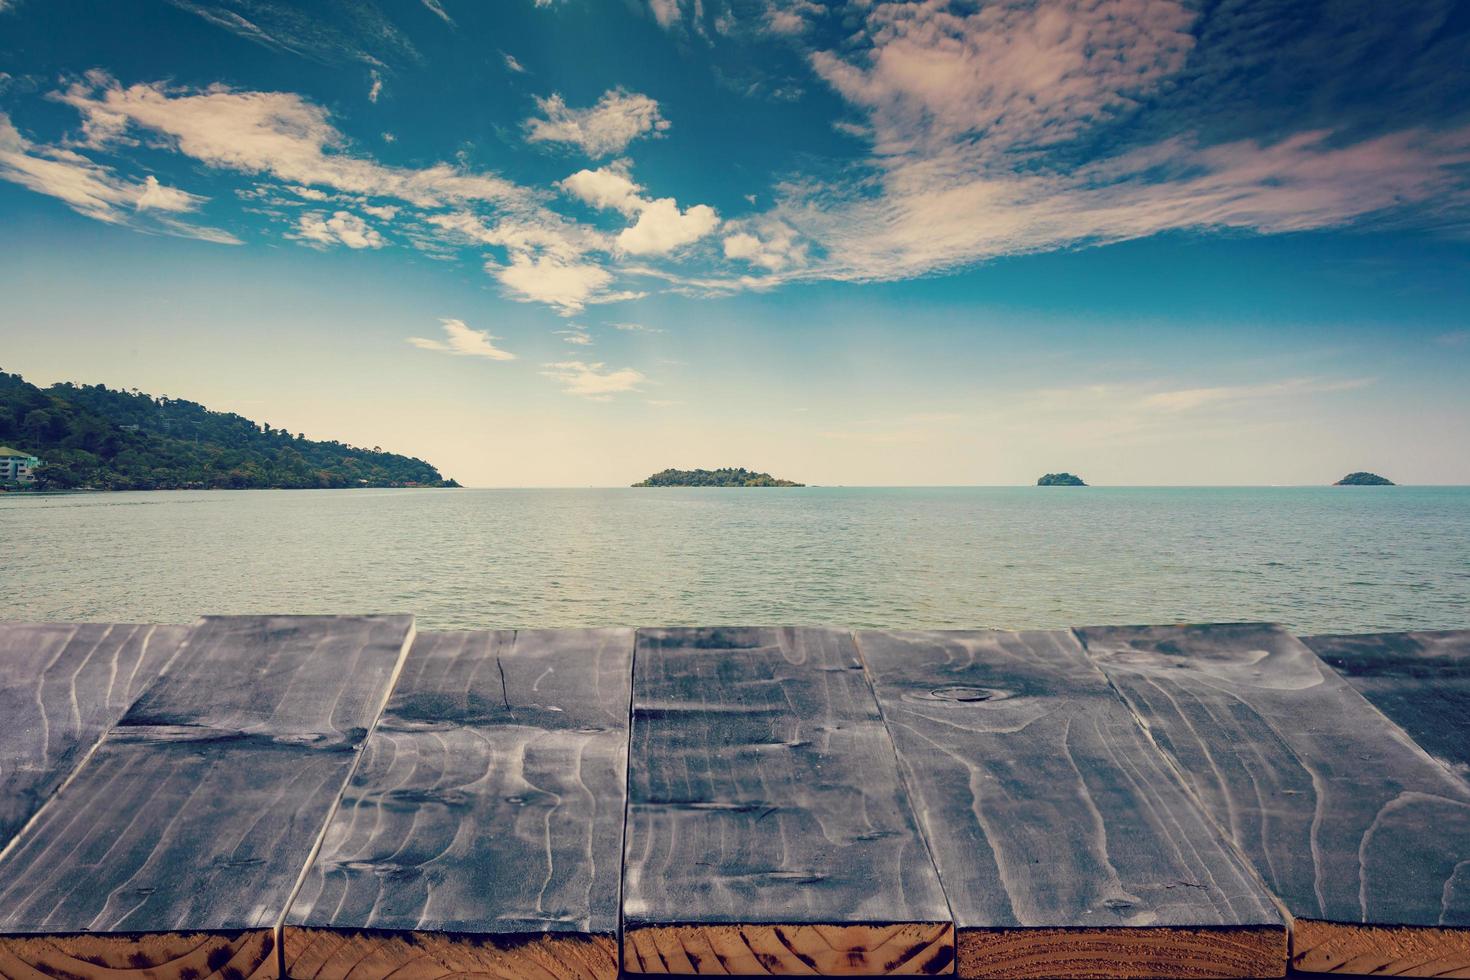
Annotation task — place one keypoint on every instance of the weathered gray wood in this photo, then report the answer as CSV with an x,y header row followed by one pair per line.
x,y
179,842
1363,836
1421,680
482,832
62,685
1066,844
767,830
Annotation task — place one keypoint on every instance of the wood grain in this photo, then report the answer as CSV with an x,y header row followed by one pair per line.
x,y
1358,831
1420,680
767,829
1065,842
181,839
752,949
62,685
482,833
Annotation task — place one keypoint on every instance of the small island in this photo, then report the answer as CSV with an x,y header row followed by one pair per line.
x,y
728,477
1060,480
1364,480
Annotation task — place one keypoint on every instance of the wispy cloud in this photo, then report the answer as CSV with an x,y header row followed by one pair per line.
x,y
282,136
969,109
328,31
97,191
437,9
1188,399
464,341
593,380
618,118
274,133
376,89
771,244
339,228
511,64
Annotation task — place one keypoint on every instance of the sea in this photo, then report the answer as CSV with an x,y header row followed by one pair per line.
x,y
1315,559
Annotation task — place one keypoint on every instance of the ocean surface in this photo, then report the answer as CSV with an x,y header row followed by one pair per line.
x,y
1314,559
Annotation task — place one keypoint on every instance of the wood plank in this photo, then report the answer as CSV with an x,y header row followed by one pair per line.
x,y
482,833
1065,842
1421,680
767,829
1359,832
62,685
175,849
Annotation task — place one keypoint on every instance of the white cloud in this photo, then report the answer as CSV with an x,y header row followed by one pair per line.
x,y
463,341
1019,73
634,328
275,133
528,233
203,233
437,9
96,191
568,286
928,217
618,118
309,193
606,187
512,64
776,248
341,227
789,16
964,106
1189,399
593,380
376,89
385,212
576,335
742,246
661,227
157,197
665,12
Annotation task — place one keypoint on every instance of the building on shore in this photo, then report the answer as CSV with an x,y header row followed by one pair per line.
x,y
16,466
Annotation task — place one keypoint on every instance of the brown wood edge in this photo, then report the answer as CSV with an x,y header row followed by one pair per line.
x,y
784,948
321,952
1124,952
244,954
1321,946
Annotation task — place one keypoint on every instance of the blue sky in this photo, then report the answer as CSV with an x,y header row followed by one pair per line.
x,y
566,242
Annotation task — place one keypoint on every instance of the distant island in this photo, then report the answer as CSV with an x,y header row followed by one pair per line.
x,y
1060,480
728,477
1364,480
92,437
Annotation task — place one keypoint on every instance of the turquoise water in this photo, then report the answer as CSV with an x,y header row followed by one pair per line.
x,y
1315,559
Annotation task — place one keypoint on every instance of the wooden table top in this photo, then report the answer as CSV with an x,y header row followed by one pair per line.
x,y
348,797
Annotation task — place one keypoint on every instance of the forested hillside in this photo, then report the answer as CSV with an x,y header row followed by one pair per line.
x,y
94,436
